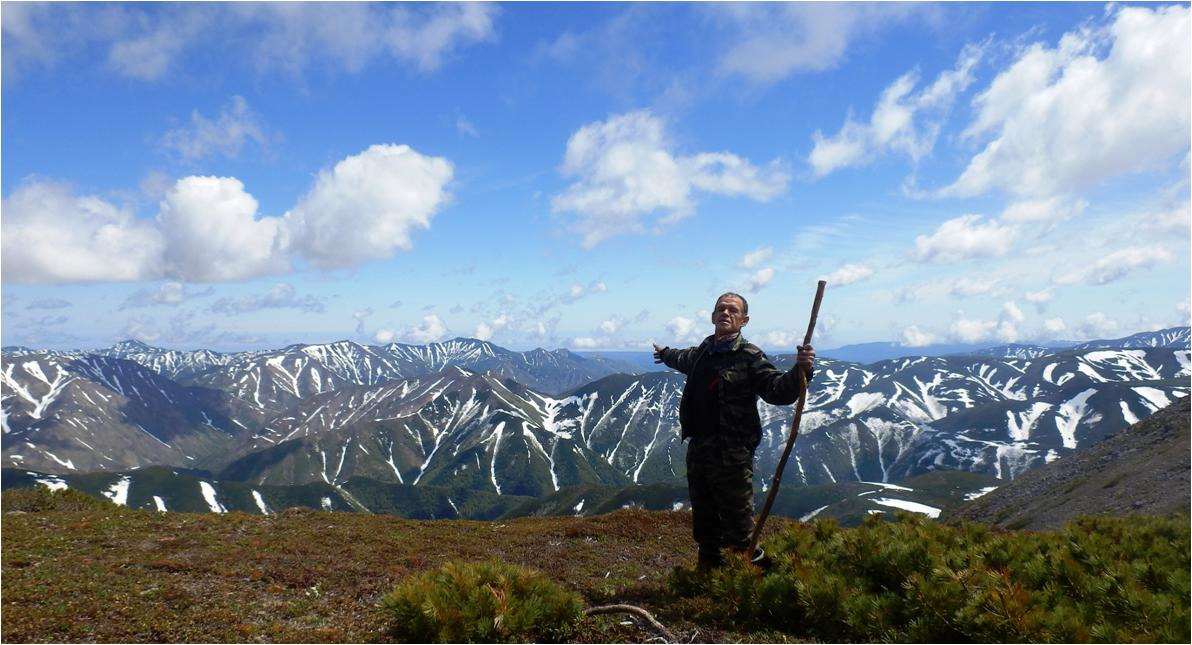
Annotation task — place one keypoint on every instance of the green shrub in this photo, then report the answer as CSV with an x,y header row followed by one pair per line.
x,y
914,580
483,602
41,498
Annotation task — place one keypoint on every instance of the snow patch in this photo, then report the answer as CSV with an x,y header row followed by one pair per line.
x,y
914,507
968,497
159,503
118,492
812,514
52,483
209,496
256,497
1155,399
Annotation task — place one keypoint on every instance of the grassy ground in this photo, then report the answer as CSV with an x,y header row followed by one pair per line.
x,y
112,575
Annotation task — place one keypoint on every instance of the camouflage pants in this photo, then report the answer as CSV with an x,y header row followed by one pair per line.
x,y
720,484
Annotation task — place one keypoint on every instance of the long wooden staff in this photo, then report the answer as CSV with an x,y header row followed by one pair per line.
x,y
790,442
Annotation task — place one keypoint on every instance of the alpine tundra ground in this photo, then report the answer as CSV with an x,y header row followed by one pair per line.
x,y
114,575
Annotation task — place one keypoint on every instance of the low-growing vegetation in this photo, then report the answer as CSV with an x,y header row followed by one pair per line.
x,y
1098,580
79,571
482,602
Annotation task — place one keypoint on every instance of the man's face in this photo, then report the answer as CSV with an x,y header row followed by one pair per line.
x,y
729,316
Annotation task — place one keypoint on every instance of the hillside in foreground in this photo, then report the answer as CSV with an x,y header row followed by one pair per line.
x,y
94,572
1143,469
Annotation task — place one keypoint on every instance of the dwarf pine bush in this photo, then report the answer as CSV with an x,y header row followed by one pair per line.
x,y
40,499
483,602
914,580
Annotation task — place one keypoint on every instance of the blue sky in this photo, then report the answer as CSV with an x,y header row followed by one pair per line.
x,y
592,176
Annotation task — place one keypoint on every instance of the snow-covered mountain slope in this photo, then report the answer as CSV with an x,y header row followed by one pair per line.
x,y
99,413
302,421
454,429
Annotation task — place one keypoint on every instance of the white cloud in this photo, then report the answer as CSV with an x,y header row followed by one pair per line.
x,y
430,330
150,45
770,41
1098,326
1049,209
1012,313
903,121
585,343
1004,329
235,125
848,274
912,336
1063,119
684,330
427,37
280,296
464,126
49,303
983,286
756,257
212,233
1184,309
366,207
483,332
51,235
1116,265
781,339
169,293
1054,325
611,325
1174,220
208,229
760,279
385,336
1039,297
627,171
963,238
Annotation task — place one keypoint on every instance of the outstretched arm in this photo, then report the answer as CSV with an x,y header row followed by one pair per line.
x,y
680,359
782,388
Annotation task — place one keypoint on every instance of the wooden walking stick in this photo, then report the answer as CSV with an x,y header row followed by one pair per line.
x,y
790,442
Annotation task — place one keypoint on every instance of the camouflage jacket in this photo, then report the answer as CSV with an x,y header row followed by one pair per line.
x,y
744,375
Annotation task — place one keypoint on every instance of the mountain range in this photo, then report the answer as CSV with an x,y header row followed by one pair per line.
x,y
467,420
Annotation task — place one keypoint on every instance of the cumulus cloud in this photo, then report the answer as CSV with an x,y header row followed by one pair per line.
x,y
208,229
1040,297
151,44
226,134
1004,329
759,279
1054,325
213,235
912,336
684,330
51,235
1115,266
483,332
429,330
756,257
1065,118
964,238
367,206
848,274
903,121
281,296
628,174
771,41
1098,326
584,342
169,293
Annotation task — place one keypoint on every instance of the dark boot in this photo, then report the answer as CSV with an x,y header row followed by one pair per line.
x,y
709,559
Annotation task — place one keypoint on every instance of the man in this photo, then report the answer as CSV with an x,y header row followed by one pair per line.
x,y
718,413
